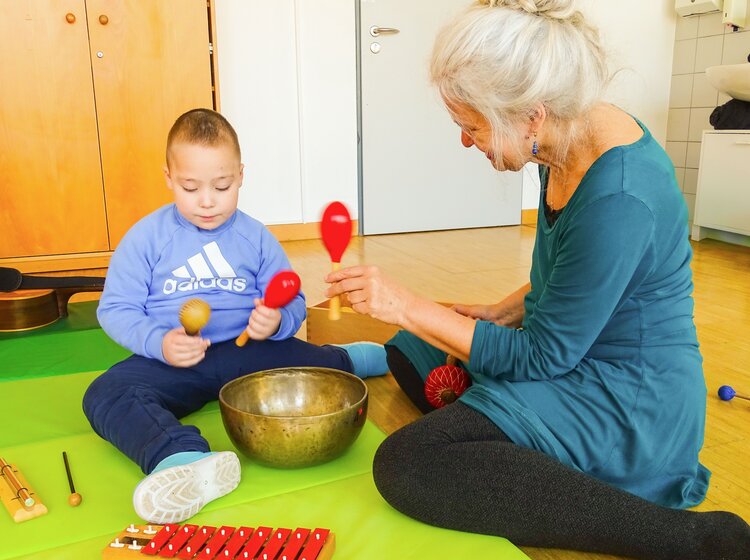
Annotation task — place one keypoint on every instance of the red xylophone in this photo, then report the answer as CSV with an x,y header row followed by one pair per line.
x,y
223,543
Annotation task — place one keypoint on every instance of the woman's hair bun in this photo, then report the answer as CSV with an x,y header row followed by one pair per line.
x,y
553,9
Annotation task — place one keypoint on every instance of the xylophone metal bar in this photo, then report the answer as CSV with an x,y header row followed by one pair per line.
x,y
295,544
225,543
274,544
160,539
177,541
232,548
314,550
256,542
216,543
196,543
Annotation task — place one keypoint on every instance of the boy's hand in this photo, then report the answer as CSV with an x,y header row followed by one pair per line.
x,y
264,321
182,350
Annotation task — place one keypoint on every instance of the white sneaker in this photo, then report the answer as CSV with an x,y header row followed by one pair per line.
x,y
177,493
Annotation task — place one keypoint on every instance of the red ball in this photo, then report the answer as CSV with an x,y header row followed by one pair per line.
x,y
445,384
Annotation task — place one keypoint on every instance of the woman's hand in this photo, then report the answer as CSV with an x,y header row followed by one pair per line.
x,y
479,311
497,313
264,321
507,313
182,350
370,292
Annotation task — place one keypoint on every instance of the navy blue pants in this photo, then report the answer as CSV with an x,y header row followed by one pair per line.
x,y
136,405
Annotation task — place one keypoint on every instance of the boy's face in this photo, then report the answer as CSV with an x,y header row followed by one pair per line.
x,y
206,181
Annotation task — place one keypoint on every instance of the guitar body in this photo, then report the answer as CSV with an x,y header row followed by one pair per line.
x,y
31,309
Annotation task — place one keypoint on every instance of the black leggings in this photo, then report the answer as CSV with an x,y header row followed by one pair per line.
x,y
456,469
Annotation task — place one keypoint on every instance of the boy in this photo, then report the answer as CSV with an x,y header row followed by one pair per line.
x,y
199,246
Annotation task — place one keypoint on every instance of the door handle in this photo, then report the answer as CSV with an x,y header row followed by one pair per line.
x,y
376,31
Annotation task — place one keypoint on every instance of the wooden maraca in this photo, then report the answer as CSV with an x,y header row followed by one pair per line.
x,y
282,289
727,393
336,231
194,315
446,383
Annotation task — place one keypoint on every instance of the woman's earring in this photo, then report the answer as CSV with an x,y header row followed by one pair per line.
x,y
535,147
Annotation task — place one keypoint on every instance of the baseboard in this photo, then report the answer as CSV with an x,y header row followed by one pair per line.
x,y
87,261
528,217
59,263
299,232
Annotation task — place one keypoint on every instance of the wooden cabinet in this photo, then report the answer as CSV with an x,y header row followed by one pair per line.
x,y
90,89
723,198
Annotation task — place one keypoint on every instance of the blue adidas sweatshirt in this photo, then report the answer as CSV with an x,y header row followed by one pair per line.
x,y
164,261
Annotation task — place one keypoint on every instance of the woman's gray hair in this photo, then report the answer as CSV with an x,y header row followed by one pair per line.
x,y
504,57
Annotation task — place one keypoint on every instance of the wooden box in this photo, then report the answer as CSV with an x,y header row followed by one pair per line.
x,y
352,327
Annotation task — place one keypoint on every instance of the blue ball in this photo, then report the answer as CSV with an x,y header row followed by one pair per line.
x,y
726,393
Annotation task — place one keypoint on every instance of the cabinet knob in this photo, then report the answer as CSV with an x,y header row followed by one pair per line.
x,y
70,18
104,20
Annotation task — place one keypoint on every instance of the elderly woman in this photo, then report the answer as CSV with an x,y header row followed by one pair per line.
x,y
585,418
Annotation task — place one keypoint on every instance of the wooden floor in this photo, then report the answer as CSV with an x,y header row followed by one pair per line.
x,y
482,265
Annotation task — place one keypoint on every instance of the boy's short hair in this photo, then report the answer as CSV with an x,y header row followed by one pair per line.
x,y
203,127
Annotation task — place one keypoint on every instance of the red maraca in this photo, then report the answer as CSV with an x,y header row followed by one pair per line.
x,y
446,383
336,231
282,289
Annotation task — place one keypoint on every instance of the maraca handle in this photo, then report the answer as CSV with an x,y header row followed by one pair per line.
x,y
242,339
334,307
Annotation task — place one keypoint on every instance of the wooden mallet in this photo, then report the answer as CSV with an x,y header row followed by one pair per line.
x,y
336,231
282,289
727,393
75,498
194,315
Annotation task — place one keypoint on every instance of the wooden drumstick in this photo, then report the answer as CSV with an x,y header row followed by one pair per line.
x,y
194,315
75,498
282,289
336,231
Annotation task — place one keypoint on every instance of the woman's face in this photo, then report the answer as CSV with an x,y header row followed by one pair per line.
x,y
476,131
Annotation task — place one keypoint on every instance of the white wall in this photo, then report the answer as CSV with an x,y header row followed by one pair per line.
x,y
639,36
700,42
287,82
328,92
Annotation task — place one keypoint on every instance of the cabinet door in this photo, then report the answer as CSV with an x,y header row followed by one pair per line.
x,y
50,175
723,200
151,63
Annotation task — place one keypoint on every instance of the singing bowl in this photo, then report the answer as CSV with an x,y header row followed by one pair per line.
x,y
294,417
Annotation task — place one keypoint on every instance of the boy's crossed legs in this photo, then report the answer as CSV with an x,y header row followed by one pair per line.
x,y
137,404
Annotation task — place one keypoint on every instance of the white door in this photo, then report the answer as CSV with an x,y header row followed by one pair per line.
x,y
416,175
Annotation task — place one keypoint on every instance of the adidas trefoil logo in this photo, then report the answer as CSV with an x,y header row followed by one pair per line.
x,y
209,271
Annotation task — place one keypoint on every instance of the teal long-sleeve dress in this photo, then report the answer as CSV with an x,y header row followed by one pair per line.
x,y
605,375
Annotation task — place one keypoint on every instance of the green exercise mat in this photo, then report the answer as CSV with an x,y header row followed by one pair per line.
x,y
338,495
44,375
366,528
70,345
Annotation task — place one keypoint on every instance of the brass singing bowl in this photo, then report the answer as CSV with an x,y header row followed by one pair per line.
x,y
294,417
